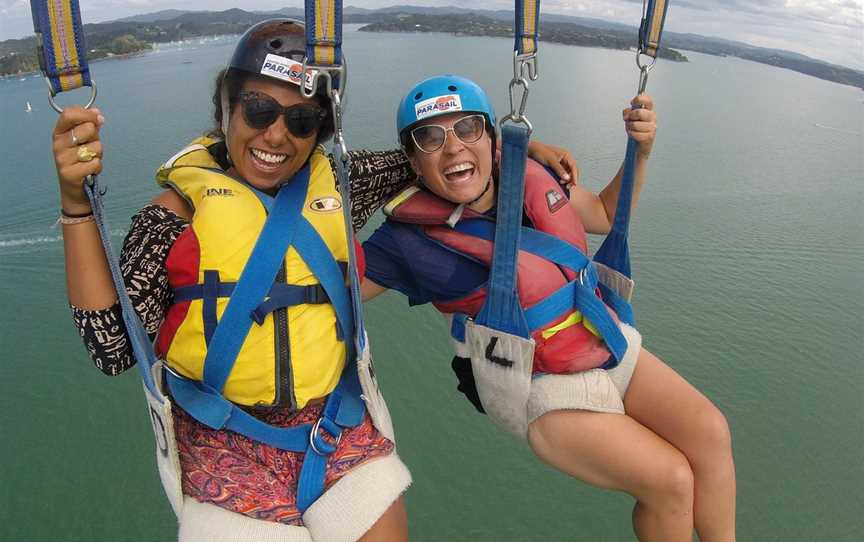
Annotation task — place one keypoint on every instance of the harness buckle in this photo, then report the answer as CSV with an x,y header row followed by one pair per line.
x,y
316,439
315,295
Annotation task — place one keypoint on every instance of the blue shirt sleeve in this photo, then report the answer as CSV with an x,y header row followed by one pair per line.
x,y
401,257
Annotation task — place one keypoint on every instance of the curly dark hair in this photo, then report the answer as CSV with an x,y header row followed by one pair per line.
x,y
233,81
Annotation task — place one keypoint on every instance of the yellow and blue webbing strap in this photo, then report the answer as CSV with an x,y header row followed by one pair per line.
x,y
324,34
62,51
527,26
651,28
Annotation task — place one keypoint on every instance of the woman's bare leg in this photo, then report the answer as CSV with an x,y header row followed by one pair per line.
x,y
613,451
661,400
392,526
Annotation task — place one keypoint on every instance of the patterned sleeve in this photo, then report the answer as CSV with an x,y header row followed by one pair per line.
x,y
375,177
142,262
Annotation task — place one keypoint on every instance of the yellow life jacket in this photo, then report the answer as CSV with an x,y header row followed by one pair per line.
x,y
294,355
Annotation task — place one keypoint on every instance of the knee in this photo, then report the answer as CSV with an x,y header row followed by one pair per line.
x,y
715,438
672,486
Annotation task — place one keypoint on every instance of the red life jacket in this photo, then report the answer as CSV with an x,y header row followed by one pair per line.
x,y
573,347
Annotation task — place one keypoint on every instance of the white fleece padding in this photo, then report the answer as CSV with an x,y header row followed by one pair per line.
x,y
167,458
352,505
618,283
371,395
204,522
503,385
596,390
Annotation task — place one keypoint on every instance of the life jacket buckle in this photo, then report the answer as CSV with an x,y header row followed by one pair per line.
x,y
317,443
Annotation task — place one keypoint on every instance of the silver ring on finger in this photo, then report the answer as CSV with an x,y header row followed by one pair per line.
x,y
74,139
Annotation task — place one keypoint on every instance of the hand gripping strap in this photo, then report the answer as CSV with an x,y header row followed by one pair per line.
x,y
324,32
502,310
62,51
651,28
255,280
527,13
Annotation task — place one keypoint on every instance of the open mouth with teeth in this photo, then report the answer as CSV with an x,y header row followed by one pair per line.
x,y
267,161
458,173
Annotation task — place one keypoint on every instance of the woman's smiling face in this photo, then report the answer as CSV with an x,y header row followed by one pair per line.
x,y
268,157
457,171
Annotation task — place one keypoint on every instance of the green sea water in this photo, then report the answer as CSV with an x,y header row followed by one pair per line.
x,y
748,249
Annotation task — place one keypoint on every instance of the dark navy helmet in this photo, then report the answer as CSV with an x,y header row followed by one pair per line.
x,y
275,48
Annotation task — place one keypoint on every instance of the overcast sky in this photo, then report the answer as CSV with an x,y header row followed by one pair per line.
x,y
831,30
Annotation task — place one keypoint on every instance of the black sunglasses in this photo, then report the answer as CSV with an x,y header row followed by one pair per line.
x,y
260,111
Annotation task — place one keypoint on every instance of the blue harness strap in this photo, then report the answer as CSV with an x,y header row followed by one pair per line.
x,y
575,295
285,226
255,280
615,250
501,309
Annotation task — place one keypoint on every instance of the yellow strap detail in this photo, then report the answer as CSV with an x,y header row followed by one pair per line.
x,y
571,320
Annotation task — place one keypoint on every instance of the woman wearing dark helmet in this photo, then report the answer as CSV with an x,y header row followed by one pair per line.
x,y
180,255
195,238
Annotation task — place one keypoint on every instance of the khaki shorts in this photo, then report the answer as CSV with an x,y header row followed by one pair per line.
x,y
342,514
597,390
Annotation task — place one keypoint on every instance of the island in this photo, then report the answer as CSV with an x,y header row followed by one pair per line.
x,y
138,34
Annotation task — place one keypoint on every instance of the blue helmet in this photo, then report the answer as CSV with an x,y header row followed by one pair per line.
x,y
438,96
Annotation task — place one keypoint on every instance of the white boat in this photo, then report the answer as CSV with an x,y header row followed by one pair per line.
x,y
27,108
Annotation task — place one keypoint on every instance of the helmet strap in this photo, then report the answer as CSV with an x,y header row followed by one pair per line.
x,y
226,114
486,189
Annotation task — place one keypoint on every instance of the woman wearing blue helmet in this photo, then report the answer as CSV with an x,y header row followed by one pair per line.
x,y
637,426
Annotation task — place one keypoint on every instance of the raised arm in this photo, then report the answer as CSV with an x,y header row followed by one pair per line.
x,y
78,153
597,211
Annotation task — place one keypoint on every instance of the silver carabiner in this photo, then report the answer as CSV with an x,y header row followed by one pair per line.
x,y
327,72
57,107
526,63
338,136
643,70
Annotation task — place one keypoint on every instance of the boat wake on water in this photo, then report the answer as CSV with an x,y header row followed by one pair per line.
x,y
833,129
42,240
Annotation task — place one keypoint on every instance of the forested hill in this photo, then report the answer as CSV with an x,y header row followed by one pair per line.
x,y
138,34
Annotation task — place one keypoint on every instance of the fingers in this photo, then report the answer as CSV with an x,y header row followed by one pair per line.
x,y
77,150
640,122
571,166
74,115
77,171
642,101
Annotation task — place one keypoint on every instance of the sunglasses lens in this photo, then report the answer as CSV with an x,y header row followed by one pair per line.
x,y
302,121
428,138
469,129
260,112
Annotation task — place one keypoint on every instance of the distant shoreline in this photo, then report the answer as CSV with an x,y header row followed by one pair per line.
x,y
138,35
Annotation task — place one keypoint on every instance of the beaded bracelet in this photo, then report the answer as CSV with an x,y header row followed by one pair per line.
x,y
71,219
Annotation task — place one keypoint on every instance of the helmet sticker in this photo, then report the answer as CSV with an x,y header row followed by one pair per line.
x,y
285,69
438,105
